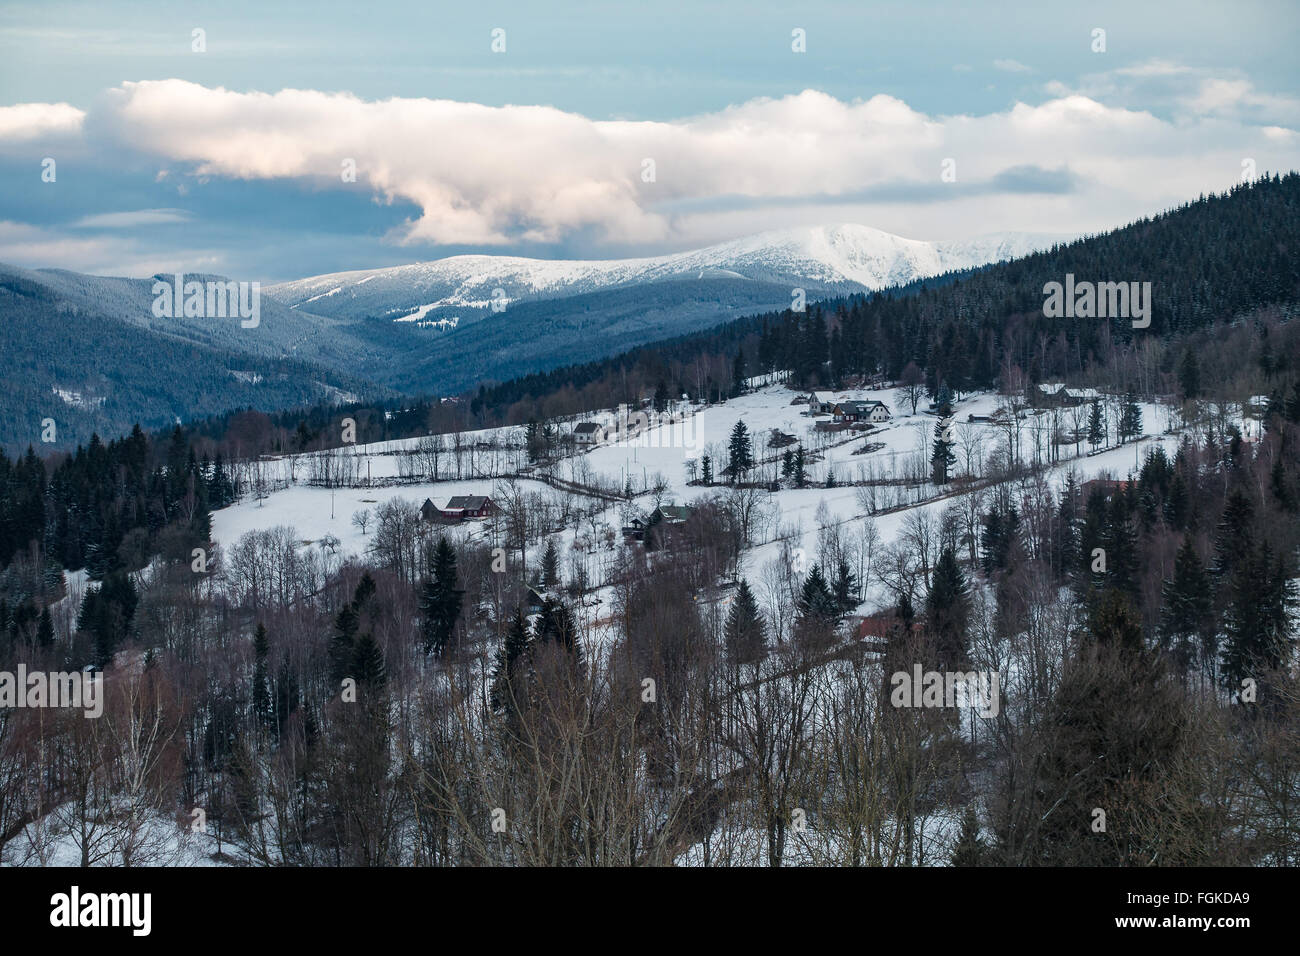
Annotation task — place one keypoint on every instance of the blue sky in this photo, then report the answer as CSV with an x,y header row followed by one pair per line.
x,y
171,158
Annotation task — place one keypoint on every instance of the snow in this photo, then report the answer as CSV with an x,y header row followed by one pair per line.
x,y
849,254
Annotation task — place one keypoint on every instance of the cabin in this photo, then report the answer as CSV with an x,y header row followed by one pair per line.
x,y
472,506
634,530
586,434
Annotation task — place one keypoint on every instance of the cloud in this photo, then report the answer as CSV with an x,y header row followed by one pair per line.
x,y
1011,66
132,219
34,247
28,121
1186,93
487,175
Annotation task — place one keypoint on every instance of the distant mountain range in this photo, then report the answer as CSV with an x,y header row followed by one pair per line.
x,y
842,258
89,352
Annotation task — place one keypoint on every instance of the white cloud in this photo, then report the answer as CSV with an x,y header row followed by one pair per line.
x,y
483,175
131,219
1011,66
34,247
28,121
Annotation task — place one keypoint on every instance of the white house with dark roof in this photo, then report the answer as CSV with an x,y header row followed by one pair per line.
x,y
586,434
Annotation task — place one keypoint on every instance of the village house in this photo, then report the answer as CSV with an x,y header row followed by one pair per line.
x,y
860,411
472,506
671,514
821,403
586,434
432,514
1056,395
1107,487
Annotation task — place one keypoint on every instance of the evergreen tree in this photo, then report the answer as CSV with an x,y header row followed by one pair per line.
x,y
288,697
800,468
818,610
740,451
342,643
846,587
942,458
368,666
1096,424
440,601
947,609
1186,627
969,849
1257,620
506,682
1189,375
551,566
706,470
45,630
745,634
1130,423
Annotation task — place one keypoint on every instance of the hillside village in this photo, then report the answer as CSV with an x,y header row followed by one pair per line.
x,y
818,461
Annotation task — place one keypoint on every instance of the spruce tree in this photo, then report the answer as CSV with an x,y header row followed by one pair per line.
x,y
969,849
942,458
947,610
506,677
342,643
368,664
740,452
745,633
551,566
45,630
440,601
1096,425
1186,628
845,589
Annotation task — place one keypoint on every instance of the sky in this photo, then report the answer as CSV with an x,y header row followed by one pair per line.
x,y
272,141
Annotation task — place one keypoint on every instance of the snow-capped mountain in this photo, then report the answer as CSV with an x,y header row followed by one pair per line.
x,y
846,257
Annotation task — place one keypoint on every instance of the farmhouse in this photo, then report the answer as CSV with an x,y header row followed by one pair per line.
x,y
472,506
821,403
586,434
432,514
857,411
1056,395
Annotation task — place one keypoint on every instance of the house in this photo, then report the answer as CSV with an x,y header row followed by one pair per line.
x,y
432,514
861,411
671,514
586,434
472,506
634,530
821,403
1107,487
1056,395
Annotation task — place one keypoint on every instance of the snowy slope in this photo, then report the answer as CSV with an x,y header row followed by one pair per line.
x,y
841,257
